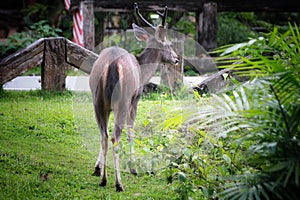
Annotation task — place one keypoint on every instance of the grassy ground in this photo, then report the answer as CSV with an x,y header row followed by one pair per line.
x,y
48,147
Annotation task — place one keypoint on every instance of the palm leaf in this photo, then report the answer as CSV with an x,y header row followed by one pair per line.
x,y
262,116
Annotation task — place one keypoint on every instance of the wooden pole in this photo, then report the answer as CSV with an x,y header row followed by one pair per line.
x,y
87,8
100,28
53,65
172,75
206,26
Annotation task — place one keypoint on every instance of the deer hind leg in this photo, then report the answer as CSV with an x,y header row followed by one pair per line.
x,y
120,118
102,117
104,145
100,160
130,136
98,167
130,133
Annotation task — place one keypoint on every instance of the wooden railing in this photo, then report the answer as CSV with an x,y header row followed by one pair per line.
x,y
53,54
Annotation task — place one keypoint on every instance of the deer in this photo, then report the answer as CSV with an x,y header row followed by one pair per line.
x,y
116,82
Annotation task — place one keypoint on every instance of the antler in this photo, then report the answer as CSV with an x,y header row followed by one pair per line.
x,y
163,16
141,17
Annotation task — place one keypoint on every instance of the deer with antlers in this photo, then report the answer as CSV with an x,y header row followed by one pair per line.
x,y
116,82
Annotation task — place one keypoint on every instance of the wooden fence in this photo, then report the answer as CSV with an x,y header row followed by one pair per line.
x,y
53,54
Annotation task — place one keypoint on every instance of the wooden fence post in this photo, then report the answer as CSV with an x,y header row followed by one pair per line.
x,y
53,65
87,8
172,75
206,25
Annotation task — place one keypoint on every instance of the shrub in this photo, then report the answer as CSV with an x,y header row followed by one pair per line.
x,y
20,40
246,140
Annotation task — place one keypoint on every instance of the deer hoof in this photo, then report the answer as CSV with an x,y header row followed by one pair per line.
x,y
103,182
133,171
119,188
97,171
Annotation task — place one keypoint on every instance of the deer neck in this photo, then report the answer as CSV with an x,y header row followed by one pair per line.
x,y
148,61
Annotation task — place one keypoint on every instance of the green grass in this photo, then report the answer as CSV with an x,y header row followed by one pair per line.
x,y
48,147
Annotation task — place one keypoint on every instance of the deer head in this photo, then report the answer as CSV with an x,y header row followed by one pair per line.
x,y
156,38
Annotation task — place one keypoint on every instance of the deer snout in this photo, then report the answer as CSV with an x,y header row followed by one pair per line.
x,y
169,56
176,58
176,61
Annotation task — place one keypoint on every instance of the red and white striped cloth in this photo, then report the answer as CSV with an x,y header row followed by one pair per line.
x,y
77,24
78,27
67,4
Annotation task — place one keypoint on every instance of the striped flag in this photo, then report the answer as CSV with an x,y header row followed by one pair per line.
x,y
67,4
77,24
78,27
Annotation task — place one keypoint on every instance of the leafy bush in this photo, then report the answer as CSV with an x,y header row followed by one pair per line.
x,y
271,124
246,141
20,40
231,30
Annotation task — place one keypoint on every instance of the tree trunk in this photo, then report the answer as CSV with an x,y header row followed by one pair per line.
x,y
172,75
100,27
207,26
87,8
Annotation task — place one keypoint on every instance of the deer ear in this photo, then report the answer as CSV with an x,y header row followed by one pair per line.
x,y
161,34
140,33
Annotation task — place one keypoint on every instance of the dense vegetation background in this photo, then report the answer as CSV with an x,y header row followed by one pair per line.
x,y
49,18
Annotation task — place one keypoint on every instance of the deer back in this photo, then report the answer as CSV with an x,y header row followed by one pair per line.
x,y
115,76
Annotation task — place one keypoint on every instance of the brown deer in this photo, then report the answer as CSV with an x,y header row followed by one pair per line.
x,y
116,82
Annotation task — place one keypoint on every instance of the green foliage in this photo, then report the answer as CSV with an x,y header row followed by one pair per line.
x,y
272,125
231,30
43,29
16,42
20,40
37,10
246,141
185,25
